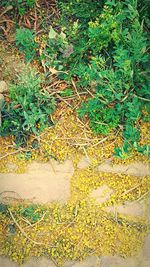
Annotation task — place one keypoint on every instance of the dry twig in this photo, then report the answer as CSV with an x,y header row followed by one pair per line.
x,y
130,190
74,85
41,219
11,153
23,232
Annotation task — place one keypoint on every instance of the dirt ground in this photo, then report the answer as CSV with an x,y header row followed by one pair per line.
x,y
46,182
43,182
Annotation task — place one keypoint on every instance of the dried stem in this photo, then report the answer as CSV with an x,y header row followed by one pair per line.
x,y
74,85
11,153
22,231
41,219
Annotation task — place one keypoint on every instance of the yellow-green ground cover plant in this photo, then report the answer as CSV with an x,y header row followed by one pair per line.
x,y
78,228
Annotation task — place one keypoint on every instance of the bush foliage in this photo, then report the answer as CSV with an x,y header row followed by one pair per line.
x,y
26,43
29,110
104,45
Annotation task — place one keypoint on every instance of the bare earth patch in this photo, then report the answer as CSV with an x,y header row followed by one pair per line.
x,y
136,168
42,183
102,194
129,208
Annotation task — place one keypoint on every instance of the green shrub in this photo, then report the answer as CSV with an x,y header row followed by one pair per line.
x,y
29,109
103,44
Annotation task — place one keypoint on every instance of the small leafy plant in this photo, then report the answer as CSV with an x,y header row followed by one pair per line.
x,y
26,43
66,92
3,209
28,110
30,213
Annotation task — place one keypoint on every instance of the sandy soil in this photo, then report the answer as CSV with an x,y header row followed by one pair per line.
x,y
42,183
136,168
102,194
46,182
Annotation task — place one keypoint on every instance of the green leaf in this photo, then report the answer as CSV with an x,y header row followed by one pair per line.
x,y
52,33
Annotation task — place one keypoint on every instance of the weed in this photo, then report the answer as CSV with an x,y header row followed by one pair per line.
x,y
29,108
3,208
31,213
67,92
25,42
